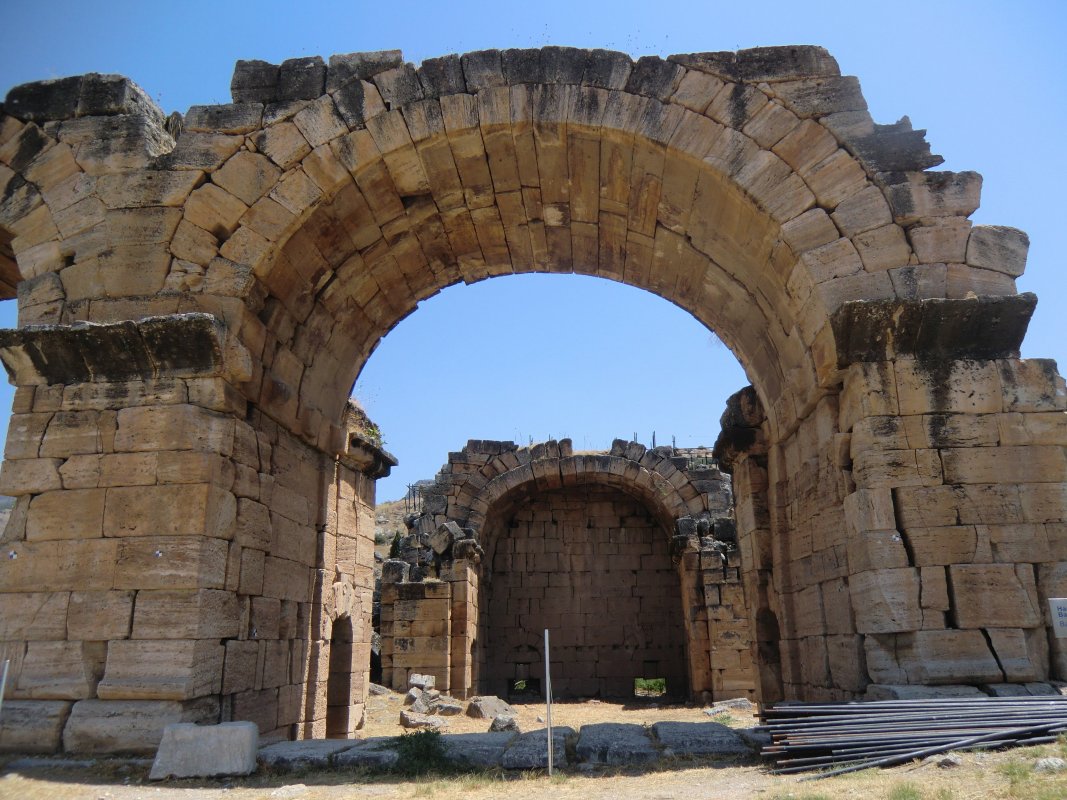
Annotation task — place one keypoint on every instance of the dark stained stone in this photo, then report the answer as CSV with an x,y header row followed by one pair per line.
x,y
176,346
563,64
932,329
607,69
301,78
225,118
254,82
521,65
818,97
442,76
654,77
362,66
482,69
763,63
895,147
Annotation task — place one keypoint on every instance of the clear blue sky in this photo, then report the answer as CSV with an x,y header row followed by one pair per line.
x,y
540,356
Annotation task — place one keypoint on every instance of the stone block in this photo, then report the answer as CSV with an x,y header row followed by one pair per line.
x,y
204,751
886,600
173,510
60,670
994,596
170,562
174,427
947,657
99,616
145,669
915,195
186,614
1022,654
32,726
991,465
126,726
33,616
59,565
998,248
71,514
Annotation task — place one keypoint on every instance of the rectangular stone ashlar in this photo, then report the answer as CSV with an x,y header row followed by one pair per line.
x,y
173,510
939,657
186,614
61,670
128,726
994,595
886,600
144,669
29,726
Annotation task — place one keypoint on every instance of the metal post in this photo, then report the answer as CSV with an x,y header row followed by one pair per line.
x,y
548,704
3,681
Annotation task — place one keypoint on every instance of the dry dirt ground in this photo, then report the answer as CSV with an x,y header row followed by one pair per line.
x,y
1009,774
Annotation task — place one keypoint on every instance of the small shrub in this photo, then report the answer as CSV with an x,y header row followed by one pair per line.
x,y
422,752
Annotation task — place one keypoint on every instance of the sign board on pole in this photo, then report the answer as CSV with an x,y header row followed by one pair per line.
x,y
1058,607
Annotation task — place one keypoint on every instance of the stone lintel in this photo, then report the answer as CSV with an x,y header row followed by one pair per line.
x,y
933,329
180,345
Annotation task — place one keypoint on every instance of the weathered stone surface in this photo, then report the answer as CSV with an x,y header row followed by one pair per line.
x,y
413,719
203,751
32,726
485,750
699,739
124,726
615,743
530,750
375,753
999,248
763,63
306,754
981,328
189,344
488,707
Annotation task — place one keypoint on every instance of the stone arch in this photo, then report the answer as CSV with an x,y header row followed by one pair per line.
x,y
656,524
193,310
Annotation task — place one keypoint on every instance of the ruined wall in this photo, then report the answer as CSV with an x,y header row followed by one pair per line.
x,y
594,567
172,557
626,556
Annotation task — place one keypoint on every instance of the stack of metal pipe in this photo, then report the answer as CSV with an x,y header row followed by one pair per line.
x,y
836,738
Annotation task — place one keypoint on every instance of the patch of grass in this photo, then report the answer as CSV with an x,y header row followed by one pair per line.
x,y
945,794
1017,772
723,718
904,791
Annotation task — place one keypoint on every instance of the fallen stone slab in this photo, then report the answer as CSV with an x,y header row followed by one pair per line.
x,y
530,750
424,682
304,754
615,743
477,749
699,739
412,719
188,750
488,707
446,707
378,752
378,690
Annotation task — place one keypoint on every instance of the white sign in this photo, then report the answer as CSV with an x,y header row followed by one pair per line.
x,y
1058,607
